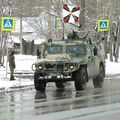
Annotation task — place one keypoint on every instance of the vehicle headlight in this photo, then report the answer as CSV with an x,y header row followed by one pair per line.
x,y
40,66
71,66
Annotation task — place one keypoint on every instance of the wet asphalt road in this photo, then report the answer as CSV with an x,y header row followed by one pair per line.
x,y
25,104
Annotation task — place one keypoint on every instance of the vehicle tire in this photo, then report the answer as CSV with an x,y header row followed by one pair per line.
x,y
98,81
40,85
80,79
59,84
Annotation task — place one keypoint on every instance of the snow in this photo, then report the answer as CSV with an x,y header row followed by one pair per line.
x,y
29,33
24,63
26,28
16,39
112,67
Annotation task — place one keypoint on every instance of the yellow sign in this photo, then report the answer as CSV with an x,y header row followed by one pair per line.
x,y
58,24
103,25
8,24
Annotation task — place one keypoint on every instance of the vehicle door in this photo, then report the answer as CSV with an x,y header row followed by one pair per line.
x,y
92,68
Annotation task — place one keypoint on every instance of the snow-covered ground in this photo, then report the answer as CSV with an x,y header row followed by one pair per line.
x,y
112,67
24,63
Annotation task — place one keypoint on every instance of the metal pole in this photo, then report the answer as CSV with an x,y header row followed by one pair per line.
x,y
7,56
63,25
63,30
1,44
20,37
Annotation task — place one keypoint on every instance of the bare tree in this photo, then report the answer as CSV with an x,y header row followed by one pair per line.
x,y
44,24
44,13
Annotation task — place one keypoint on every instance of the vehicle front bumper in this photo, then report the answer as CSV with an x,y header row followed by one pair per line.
x,y
55,78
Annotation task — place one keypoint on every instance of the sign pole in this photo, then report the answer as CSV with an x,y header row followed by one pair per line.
x,y
63,26
7,56
63,30
8,25
20,37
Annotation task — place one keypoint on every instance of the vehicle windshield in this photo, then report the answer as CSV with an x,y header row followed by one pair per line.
x,y
76,49
54,49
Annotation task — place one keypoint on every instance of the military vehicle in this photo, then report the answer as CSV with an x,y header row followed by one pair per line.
x,y
78,58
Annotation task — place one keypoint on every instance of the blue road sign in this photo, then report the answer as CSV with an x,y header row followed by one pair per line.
x,y
8,23
103,25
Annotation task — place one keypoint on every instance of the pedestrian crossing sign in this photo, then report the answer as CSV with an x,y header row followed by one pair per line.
x,y
103,25
8,24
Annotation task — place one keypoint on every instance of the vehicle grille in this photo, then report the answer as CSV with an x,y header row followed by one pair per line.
x,y
54,67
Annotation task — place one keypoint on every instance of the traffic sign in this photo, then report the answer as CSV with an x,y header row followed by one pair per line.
x,y
58,24
71,13
8,24
103,25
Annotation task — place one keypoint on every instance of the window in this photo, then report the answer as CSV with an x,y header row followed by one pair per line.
x,y
54,49
76,49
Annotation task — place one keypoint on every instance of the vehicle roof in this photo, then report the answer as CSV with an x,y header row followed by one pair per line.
x,y
67,42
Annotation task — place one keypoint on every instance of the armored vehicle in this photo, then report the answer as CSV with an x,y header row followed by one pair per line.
x,y
76,59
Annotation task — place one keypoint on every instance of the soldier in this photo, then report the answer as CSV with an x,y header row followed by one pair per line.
x,y
38,53
11,60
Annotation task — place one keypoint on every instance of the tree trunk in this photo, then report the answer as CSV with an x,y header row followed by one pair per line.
x,y
105,46
117,51
0,57
110,48
82,15
117,41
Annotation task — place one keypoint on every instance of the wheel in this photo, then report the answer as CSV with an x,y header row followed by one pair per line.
x,y
59,84
98,81
80,77
40,85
